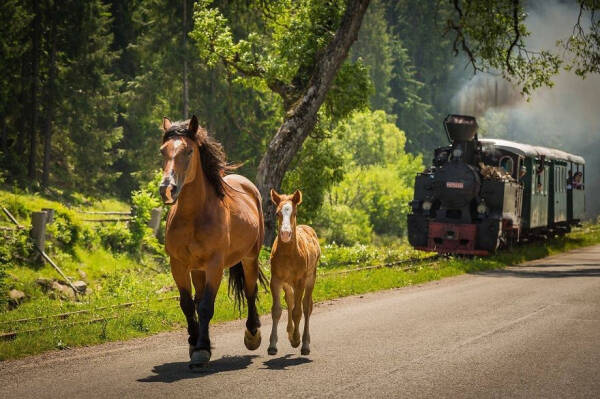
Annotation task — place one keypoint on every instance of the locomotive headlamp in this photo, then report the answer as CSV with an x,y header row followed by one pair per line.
x,y
457,153
426,205
482,208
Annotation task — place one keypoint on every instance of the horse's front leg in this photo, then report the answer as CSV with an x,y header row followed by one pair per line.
x,y
206,310
181,275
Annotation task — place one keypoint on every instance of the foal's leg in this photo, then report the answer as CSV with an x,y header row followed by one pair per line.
x,y
307,307
252,336
297,313
275,313
182,279
206,310
288,292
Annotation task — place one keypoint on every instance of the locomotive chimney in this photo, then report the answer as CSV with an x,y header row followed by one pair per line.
x,y
462,133
460,127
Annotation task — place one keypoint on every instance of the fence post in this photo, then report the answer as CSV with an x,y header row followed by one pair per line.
x,y
38,230
154,222
49,215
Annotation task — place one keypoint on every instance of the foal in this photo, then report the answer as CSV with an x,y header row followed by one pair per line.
x,y
294,259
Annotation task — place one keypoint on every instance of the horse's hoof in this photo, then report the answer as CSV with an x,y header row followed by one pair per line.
x,y
272,350
199,359
252,342
305,351
191,350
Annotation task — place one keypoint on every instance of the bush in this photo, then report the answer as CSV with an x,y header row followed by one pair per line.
x,y
344,225
68,231
115,237
16,246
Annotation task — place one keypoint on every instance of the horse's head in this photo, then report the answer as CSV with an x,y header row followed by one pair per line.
x,y
286,212
179,144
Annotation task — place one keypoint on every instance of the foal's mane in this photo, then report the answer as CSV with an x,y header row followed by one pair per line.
x,y
212,156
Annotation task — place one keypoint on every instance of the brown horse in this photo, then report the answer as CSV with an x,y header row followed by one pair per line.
x,y
215,223
294,259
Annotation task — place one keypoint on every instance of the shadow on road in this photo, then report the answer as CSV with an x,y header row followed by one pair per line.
x,y
513,272
282,363
175,371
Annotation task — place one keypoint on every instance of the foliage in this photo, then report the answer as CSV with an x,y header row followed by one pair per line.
x,y
377,184
115,236
16,247
316,169
344,225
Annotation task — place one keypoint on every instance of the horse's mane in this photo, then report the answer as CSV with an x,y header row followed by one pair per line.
x,y
212,156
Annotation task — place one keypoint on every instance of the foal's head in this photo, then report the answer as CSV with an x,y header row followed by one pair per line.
x,y
177,149
286,212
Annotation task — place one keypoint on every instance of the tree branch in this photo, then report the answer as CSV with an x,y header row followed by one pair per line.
x,y
517,36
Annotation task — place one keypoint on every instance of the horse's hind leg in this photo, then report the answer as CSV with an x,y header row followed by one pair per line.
x,y
307,307
275,313
252,336
182,279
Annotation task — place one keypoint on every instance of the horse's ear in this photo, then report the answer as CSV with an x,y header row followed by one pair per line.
x,y
193,126
297,197
276,198
166,125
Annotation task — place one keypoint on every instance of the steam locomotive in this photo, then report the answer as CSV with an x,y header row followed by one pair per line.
x,y
482,194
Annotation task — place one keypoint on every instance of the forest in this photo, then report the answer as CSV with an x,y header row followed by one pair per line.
x,y
85,85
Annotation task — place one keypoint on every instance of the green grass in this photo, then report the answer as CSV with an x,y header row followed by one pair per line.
x,y
117,279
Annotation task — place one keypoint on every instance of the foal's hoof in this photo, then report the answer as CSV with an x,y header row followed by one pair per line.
x,y
252,342
305,351
294,341
272,350
199,359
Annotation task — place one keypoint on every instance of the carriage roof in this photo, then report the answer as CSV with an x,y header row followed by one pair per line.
x,y
527,150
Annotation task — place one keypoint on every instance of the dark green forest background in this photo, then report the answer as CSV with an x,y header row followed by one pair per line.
x,y
85,85
84,91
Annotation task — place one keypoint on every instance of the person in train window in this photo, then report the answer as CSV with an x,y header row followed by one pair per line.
x,y
578,181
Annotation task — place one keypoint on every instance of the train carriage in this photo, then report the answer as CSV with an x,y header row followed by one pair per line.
x,y
481,194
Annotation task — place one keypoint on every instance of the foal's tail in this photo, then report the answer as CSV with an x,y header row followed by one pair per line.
x,y
236,284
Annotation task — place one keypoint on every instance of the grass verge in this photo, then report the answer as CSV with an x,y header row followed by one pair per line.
x,y
125,281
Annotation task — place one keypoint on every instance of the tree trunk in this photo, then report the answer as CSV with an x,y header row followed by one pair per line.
x,y
50,99
3,140
301,118
35,70
186,97
22,102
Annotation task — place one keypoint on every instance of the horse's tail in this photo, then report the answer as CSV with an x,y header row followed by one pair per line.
x,y
236,284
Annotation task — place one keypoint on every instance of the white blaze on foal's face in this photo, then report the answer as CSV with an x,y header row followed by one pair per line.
x,y
285,231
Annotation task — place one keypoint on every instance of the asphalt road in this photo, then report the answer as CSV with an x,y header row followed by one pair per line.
x,y
527,331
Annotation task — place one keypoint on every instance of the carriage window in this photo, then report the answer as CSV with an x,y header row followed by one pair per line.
x,y
507,164
539,178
